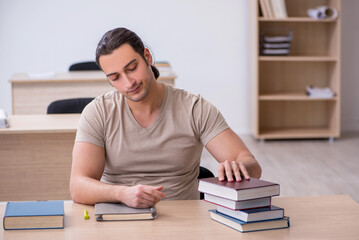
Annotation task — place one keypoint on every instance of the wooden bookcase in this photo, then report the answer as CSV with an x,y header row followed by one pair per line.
x,y
279,106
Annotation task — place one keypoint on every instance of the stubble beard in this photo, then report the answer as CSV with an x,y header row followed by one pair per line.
x,y
145,94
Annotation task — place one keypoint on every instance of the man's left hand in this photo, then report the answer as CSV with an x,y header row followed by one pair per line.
x,y
229,169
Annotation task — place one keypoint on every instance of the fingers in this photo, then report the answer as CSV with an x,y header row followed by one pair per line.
x,y
143,196
236,171
230,169
244,171
153,194
221,172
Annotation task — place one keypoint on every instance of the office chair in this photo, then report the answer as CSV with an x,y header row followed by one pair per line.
x,y
73,105
204,173
84,66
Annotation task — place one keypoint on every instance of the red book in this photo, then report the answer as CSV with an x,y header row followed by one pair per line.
x,y
238,191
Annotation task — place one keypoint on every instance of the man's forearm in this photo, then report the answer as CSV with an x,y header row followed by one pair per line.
x,y
86,190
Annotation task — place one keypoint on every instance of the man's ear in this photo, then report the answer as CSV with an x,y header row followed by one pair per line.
x,y
148,56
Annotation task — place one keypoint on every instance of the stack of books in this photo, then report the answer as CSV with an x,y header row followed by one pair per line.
x,y
244,206
275,42
165,69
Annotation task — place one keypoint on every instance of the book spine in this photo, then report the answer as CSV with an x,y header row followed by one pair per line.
x,y
263,8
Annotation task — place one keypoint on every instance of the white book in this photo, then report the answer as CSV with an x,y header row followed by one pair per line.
x,y
276,8
270,8
273,39
275,51
264,8
237,205
283,8
276,45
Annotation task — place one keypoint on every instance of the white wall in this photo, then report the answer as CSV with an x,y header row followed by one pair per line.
x,y
204,40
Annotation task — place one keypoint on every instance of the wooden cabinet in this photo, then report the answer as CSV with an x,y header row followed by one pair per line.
x,y
32,95
279,105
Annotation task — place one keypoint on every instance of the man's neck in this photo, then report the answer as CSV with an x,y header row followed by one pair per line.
x,y
151,104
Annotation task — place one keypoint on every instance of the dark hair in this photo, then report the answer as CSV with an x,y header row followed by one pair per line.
x,y
114,38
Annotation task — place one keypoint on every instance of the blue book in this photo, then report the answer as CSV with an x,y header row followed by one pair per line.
x,y
249,226
254,214
34,215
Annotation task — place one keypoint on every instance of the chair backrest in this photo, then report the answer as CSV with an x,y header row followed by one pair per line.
x,y
73,105
204,173
84,66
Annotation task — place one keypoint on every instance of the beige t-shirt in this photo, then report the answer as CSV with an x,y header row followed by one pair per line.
x,y
165,154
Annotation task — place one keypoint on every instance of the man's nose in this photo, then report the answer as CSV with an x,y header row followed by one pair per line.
x,y
130,82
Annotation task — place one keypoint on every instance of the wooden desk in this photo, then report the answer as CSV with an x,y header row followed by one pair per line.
x,y
36,156
33,95
324,217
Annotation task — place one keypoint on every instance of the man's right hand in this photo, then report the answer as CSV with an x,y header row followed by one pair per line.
x,y
141,196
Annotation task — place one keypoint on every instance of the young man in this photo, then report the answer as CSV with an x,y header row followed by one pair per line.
x,y
143,142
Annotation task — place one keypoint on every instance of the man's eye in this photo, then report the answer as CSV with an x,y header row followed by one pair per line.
x,y
132,68
113,77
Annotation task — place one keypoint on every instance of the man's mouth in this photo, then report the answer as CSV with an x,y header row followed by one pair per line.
x,y
136,89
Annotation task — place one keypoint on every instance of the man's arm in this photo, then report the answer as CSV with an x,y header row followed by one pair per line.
x,y
88,163
234,157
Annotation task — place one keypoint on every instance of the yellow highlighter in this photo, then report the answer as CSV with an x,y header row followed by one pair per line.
x,y
86,215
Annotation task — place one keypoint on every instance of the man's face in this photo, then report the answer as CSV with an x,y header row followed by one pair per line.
x,y
128,72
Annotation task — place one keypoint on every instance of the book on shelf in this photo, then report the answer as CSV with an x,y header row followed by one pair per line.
x,y
238,205
279,8
238,191
249,226
278,51
254,214
264,8
270,8
276,45
283,8
34,215
277,39
120,212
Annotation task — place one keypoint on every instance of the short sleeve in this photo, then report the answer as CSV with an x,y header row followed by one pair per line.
x,y
209,122
91,125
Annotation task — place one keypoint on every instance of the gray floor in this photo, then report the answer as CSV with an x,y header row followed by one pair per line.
x,y
306,167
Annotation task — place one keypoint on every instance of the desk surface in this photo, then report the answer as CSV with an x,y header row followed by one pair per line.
x,y
41,123
324,217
